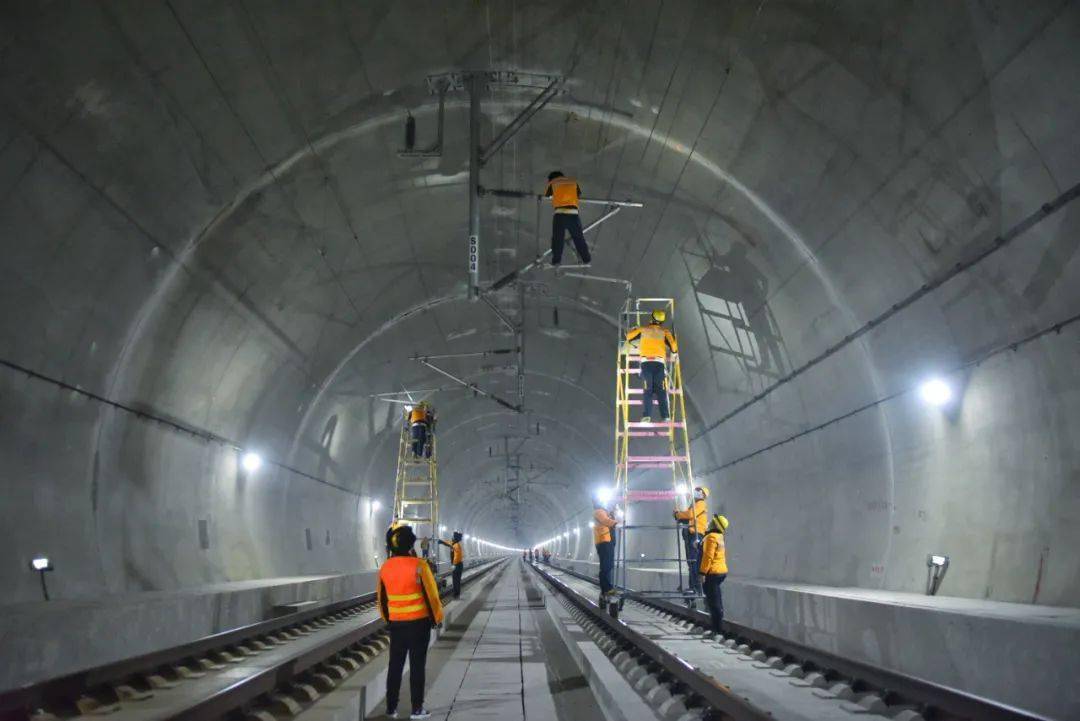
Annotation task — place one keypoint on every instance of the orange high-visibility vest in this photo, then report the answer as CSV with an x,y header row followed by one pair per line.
x,y
456,555
713,554
407,590
601,531
655,340
564,192
418,415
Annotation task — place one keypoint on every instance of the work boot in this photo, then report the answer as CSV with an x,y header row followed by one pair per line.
x,y
646,419
420,713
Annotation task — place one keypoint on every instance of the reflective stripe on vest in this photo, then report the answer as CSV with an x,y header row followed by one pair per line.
x,y
400,577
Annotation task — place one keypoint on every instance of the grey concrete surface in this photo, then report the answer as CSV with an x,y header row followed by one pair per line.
x,y
204,225
987,648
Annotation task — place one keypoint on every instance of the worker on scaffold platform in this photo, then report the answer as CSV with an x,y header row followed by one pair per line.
x,y
656,341
697,523
565,193
421,418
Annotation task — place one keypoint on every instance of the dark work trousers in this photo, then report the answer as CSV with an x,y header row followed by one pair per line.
x,y
714,600
419,437
693,557
458,568
652,372
606,553
561,223
407,638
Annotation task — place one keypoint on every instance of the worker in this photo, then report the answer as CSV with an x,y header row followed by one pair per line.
x,y
408,600
604,523
714,568
565,194
547,556
457,559
418,427
425,547
696,517
656,341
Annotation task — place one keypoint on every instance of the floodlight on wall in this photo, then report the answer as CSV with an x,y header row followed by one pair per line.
x,y
577,531
375,506
42,565
251,461
682,489
936,392
604,494
936,566
442,529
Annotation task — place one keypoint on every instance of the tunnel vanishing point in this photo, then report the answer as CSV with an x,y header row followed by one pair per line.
x,y
239,237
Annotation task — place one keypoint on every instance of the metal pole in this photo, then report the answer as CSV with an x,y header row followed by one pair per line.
x,y
474,185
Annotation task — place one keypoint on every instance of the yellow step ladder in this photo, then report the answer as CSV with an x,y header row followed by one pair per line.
x,y
416,490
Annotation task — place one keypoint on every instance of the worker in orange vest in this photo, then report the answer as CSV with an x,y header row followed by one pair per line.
x,y
457,559
696,517
604,524
565,194
408,600
656,341
420,419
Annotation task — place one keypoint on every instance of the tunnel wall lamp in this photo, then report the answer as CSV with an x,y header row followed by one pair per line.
x,y
936,566
251,461
42,565
935,392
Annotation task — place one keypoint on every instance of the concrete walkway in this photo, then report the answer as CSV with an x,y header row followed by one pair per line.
x,y
502,659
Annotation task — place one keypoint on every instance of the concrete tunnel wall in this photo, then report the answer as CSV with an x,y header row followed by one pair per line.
x,y
204,219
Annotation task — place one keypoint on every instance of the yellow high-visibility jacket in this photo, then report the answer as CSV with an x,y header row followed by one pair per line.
x,y
456,554
699,514
713,554
655,341
601,531
564,193
418,415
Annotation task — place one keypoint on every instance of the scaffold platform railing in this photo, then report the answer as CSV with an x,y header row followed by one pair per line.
x,y
645,449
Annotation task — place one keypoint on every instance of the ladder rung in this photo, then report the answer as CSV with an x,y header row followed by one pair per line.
x,y
639,391
655,424
417,483
657,459
630,403
415,501
643,434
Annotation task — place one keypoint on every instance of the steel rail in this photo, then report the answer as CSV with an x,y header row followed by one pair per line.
x,y
896,688
22,701
712,693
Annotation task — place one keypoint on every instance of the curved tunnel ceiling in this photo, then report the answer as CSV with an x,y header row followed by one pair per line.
x,y
227,239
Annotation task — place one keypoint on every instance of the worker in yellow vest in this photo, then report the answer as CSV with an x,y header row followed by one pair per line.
x,y
408,600
604,523
714,568
420,418
565,194
696,517
457,559
655,342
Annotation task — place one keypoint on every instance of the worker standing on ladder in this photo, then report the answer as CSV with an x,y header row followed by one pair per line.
x,y
656,341
418,427
604,523
457,559
714,568
696,517
408,600
565,194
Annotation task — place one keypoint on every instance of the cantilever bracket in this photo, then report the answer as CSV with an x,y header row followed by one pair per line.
x,y
519,122
471,386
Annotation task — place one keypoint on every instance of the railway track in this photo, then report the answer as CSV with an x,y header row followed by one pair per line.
x,y
261,671
747,675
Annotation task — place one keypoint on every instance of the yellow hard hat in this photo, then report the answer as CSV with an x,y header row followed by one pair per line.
x,y
659,316
703,489
720,523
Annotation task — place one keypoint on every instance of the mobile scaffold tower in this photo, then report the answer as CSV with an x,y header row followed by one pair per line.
x,y
648,452
416,489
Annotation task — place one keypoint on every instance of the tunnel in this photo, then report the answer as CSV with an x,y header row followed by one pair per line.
x,y
241,237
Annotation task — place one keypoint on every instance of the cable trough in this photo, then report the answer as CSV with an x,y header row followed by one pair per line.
x,y
303,655
856,686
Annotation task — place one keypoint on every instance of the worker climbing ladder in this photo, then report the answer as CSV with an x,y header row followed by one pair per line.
x,y
648,454
416,488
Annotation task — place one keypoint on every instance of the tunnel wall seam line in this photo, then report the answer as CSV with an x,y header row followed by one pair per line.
x,y
175,425
1045,211
1011,345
